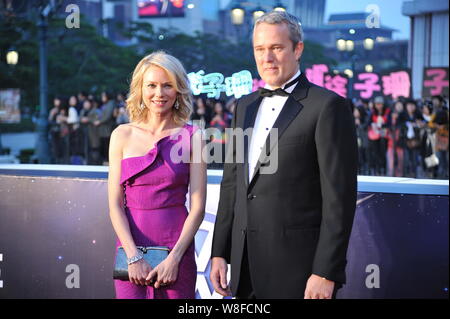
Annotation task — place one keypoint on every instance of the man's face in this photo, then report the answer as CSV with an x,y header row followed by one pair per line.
x,y
276,59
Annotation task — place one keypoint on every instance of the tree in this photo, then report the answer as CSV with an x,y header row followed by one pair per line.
x,y
80,59
314,53
20,34
200,51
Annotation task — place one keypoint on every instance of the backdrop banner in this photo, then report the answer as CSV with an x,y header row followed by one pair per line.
x,y
57,241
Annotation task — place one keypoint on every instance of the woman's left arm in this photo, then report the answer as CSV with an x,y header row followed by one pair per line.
x,y
168,270
197,197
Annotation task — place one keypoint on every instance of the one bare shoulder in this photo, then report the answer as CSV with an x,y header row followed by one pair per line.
x,y
122,131
120,136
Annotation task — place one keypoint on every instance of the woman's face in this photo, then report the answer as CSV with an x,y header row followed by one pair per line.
x,y
73,101
200,102
87,104
411,108
57,102
436,102
379,107
158,90
399,107
218,108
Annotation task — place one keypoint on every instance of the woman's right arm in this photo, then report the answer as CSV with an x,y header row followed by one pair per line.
x,y
137,271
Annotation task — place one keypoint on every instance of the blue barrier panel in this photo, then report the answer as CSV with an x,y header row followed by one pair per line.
x,y
54,226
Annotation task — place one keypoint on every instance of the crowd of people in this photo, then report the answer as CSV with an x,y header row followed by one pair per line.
x,y
81,125
401,138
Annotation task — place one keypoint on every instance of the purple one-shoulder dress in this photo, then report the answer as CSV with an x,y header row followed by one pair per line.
x,y
155,189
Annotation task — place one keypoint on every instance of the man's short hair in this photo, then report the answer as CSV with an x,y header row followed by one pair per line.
x,y
279,17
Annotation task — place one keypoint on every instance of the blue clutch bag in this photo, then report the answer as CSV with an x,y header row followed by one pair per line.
x,y
152,255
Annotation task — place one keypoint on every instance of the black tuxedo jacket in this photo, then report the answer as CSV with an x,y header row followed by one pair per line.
x,y
296,221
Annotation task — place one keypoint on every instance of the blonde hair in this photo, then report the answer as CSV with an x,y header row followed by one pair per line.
x,y
178,76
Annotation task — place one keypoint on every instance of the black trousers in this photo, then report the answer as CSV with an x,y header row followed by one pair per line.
x,y
245,287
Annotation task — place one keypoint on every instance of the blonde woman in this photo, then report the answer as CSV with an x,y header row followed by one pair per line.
x,y
147,187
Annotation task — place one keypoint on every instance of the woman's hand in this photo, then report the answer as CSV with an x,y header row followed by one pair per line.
x,y
164,274
138,271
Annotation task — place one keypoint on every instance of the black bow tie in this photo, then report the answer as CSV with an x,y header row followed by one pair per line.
x,y
268,93
280,91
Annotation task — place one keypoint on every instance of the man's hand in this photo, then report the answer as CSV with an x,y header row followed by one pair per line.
x,y
319,288
218,276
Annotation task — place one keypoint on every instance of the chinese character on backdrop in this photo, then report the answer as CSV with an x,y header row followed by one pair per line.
x,y
368,86
196,82
336,83
316,74
239,84
215,85
397,84
435,81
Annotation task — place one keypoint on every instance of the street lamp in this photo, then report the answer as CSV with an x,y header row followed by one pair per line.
x,y
237,14
349,73
239,9
279,7
257,13
341,44
345,45
368,43
12,57
349,45
42,148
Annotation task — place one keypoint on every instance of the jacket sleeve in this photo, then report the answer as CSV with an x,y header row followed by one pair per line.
x,y
337,154
221,246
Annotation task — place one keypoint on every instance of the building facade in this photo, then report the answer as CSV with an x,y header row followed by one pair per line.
x,y
309,12
429,44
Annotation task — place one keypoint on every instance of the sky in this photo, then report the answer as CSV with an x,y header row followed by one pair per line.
x,y
390,12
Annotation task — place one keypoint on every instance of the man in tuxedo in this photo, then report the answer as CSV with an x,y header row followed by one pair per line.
x,y
286,232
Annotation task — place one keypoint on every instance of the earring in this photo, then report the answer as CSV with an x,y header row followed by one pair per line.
x,y
141,106
177,105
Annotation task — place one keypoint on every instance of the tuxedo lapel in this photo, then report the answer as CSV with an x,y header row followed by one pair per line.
x,y
249,122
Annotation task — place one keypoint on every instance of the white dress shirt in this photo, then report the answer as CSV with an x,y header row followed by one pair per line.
x,y
267,114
